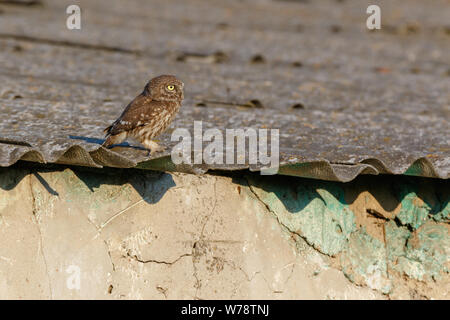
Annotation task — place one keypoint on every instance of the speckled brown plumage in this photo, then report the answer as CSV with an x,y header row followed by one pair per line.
x,y
149,114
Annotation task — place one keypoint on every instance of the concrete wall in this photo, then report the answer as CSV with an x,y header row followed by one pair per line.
x,y
135,234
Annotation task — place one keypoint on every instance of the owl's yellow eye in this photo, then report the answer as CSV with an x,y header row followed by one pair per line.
x,y
170,87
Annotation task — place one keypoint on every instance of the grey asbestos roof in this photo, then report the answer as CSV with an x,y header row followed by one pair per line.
x,y
346,100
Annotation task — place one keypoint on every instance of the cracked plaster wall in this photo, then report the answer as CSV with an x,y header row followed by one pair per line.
x,y
147,235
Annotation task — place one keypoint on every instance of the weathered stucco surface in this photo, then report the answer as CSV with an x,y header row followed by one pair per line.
x,y
153,235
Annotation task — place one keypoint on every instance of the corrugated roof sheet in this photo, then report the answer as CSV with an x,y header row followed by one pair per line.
x,y
346,100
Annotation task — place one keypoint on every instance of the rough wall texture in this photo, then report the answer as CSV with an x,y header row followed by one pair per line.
x,y
150,235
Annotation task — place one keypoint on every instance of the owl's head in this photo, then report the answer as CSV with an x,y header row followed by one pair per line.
x,y
165,88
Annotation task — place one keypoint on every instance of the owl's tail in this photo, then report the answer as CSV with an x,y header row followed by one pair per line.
x,y
108,129
114,139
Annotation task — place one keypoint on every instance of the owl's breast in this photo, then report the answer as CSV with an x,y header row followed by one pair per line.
x,y
158,123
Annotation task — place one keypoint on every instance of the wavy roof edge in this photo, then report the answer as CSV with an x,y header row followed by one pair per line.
x,y
323,170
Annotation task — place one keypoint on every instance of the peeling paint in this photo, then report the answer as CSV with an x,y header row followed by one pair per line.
x,y
428,249
364,261
416,205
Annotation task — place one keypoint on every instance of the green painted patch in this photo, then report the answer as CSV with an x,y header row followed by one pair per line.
x,y
396,239
431,248
443,193
424,253
413,269
364,261
443,214
414,170
416,206
316,211
96,192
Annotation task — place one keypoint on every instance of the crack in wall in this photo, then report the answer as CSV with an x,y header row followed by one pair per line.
x,y
162,290
235,267
197,284
169,263
284,227
109,255
195,252
212,210
41,245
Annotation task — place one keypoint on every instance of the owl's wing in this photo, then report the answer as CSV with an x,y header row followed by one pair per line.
x,y
139,112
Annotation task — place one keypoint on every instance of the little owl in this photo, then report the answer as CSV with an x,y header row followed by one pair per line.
x,y
149,114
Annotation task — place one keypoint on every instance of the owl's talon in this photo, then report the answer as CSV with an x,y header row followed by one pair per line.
x,y
160,149
154,148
